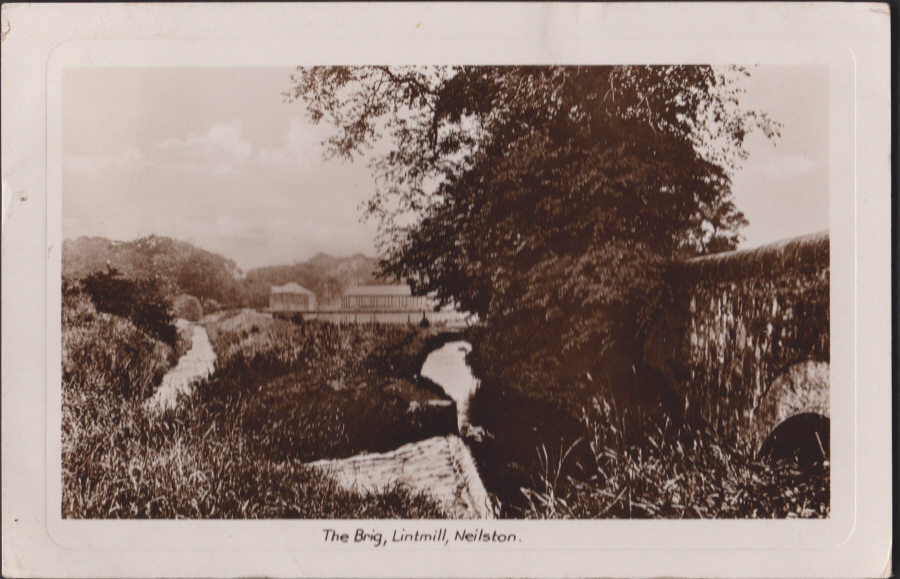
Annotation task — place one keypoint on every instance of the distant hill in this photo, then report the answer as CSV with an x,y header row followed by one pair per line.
x,y
178,266
183,268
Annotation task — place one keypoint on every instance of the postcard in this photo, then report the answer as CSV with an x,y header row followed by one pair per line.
x,y
446,290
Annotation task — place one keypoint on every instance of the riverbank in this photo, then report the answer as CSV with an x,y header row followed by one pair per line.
x,y
204,458
441,467
317,390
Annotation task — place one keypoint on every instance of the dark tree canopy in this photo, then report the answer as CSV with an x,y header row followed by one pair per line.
x,y
547,200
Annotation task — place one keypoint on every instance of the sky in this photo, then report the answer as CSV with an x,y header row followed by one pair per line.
x,y
215,156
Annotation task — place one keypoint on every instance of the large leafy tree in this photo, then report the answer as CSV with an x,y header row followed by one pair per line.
x,y
548,200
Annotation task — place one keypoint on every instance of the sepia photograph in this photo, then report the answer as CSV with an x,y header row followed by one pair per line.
x,y
446,292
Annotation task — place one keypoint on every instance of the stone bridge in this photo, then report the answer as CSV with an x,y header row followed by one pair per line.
x,y
747,344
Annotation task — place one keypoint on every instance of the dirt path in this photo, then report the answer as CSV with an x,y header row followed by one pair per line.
x,y
196,364
441,466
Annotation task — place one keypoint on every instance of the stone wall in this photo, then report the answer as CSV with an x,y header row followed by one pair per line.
x,y
748,341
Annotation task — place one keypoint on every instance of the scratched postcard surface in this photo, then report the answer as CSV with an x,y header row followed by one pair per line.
x,y
408,297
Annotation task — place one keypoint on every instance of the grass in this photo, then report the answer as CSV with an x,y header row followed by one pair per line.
x,y
626,457
284,394
122,459
685,473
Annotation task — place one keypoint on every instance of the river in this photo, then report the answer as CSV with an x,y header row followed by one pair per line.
x,y
447,367
196,364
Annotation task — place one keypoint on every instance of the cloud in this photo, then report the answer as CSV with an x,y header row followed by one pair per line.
x,y
222,150
791,166
773,165
300,149
229,227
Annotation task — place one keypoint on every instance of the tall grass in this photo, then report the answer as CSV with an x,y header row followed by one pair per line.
x,y
123,459
674,471
197,463
590,450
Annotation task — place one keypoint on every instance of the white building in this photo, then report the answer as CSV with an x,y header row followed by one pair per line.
x,y
385,298
292,297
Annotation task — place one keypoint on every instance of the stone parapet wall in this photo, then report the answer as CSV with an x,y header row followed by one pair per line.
x,y
741,322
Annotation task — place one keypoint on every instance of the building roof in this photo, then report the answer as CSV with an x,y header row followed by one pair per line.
x,y
291,288
379,290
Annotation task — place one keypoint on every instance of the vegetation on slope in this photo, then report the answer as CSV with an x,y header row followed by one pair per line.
x,y
123,459
320,390
177,266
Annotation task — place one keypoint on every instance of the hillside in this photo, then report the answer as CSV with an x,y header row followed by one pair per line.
x,y
178,266
181,267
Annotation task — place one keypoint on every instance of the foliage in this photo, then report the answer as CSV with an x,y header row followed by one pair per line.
x,y
738,322
320,390
550,197
109,353
137,300
176,266
187,307
673,472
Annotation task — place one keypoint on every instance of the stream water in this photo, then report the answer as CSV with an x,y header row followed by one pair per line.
x,y
195,364
447,367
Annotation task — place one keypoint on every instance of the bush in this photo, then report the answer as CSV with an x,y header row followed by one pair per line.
x,y
187,307
139,300
108,353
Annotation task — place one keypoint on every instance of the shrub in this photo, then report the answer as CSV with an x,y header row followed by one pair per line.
x,y
187,307
108,353
139,300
